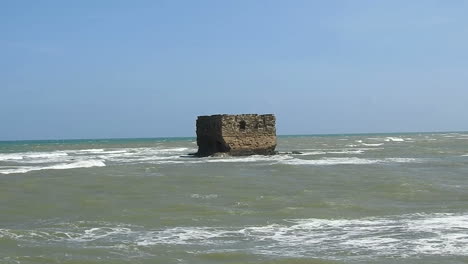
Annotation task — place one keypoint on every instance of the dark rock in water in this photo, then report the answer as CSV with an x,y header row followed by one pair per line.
x,y
296,152
236,135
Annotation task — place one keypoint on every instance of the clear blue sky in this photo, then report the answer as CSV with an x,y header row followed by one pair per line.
x,y
103,69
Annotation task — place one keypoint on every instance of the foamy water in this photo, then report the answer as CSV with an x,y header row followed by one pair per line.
x,y
72,159
401,236
24,162
351,199
85,158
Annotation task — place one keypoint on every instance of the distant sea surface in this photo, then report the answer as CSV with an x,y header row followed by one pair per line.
x,y
377,198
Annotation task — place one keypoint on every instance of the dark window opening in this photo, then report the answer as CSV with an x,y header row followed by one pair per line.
x,y
242,125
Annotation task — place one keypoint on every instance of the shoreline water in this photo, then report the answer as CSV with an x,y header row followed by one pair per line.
x,y
386,198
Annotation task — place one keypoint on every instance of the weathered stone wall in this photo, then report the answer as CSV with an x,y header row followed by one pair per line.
x,y
236,134
249,134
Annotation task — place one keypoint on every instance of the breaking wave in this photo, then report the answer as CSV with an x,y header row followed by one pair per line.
x,y
23,162
347,161
394,139
440,234
330,161
62,166
372,144
85,158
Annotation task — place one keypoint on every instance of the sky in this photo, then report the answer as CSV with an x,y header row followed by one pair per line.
x,y
122,69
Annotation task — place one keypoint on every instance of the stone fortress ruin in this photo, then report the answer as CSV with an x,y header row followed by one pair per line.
x,y
236,135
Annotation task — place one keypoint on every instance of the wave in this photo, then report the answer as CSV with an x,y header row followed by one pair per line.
x,y
328,151
90,150
330,161
12,156
311,153
30,156
286,160
350,150
358,151
282,159
96,151
174,150
236,159
400,236
403,160
396,236
372,144
394,139
347,161
23,162
73,165
99,157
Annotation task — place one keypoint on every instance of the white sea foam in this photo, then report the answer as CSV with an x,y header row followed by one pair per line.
x,y
332,151
70,159
346,161
45,158
284,159
72,165
372,144
347,151
172,150
387,236
403,160
24,162
305,152
204,196
31,156
97,151
91,150
439,234
253,158
11,156
330,161
311,153
394,139
78,164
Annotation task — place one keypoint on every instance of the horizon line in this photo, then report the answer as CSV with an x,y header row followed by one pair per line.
x,y
280,135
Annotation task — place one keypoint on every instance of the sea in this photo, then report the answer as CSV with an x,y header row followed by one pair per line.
x,y
367,198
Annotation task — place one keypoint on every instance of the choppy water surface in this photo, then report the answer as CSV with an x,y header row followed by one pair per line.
x,y
400,198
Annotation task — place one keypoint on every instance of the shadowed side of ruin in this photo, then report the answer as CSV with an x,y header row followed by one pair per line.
x,y
236,135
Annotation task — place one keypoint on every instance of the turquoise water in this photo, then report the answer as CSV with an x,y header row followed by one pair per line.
x,y
396,198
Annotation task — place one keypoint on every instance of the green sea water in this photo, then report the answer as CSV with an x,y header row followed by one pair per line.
x,y
395,198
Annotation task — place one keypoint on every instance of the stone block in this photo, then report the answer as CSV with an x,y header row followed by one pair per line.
x,y
236,135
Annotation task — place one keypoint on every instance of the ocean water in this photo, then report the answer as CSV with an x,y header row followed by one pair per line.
x,y
397,198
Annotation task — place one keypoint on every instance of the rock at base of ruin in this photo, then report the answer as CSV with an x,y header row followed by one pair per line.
x,y
236,135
